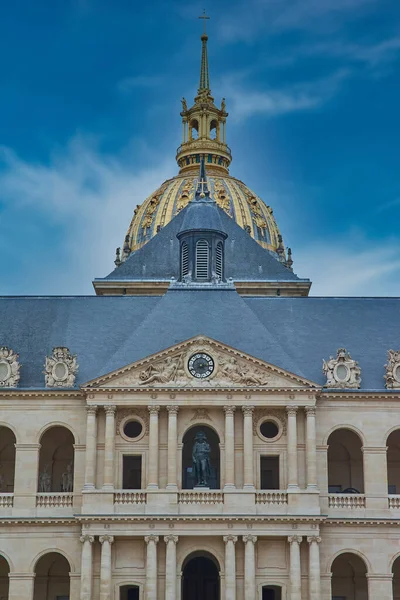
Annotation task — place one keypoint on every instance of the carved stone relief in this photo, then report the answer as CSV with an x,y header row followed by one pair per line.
x,y
9,367
201,414
263,414
342,371
133,412
392,375
60,368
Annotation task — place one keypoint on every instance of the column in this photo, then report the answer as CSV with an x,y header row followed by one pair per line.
x,y
295,570
105,566
248,480
108,482
152,478
230,567
311,448
314,573
151,567
21,586
170,567
249,566
172,446
229,446
86,567
292,446
91,448
380,586
26,477
375,477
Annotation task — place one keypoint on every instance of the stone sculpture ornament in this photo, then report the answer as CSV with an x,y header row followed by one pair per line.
x,y
9,367
201,459
392,375
67,479
45,479
61,368
342,371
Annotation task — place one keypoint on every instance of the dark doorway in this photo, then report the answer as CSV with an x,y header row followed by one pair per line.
x,y
200,579
188,480
129,592
269,466
271,592
132,472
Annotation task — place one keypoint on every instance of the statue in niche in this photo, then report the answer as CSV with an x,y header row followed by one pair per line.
x,y
45,480
67,479
201,459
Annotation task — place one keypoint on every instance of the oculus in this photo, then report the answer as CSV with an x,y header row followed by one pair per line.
x,y
201,365
9,367
60,368
342,371
269,429
132,429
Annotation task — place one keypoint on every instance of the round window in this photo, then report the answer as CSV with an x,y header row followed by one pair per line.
x,y
4,371
60,371
269,429
132,429
342,372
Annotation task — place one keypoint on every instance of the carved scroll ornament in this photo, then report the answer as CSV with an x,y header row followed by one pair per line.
x,y
9,367
342,371
60,368
392,375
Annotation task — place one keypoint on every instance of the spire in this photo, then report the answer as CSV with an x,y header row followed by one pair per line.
x,y
204,74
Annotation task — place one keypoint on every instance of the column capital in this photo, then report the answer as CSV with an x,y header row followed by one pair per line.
x,y
154,409
248,410
310,411
249,538
171,538
292,410
172,409
110,409
151,538
91,409
230,538
229,410
106,538
314,539
295,539
87,538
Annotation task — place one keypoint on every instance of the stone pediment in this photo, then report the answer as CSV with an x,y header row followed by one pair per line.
x,y
200,362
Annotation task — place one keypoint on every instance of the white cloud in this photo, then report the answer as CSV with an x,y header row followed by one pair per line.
x,y
88,197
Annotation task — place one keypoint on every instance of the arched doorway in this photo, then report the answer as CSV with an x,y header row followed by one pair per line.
x,y
129,592
56,461
200,578
345,463
393,462
396,579
271,592
4,571
349,577
7,460
52,577
188,476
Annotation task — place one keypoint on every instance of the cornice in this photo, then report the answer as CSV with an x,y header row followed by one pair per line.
x,y
360,394
202,390
41,393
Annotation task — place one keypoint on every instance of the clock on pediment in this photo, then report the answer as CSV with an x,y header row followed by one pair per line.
x,y
201,365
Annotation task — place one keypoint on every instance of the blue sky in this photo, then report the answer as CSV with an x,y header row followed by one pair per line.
x,y
89,125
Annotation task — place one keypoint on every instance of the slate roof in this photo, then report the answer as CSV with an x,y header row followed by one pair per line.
x,y
108,332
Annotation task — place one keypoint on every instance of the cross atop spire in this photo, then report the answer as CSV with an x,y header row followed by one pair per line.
x,y
204,74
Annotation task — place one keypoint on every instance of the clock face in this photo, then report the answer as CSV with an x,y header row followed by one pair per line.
x,y
201,365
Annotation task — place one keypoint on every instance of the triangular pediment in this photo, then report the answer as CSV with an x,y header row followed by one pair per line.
x,y
218,366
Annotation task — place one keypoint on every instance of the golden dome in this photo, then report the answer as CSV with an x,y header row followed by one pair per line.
x,y
231,194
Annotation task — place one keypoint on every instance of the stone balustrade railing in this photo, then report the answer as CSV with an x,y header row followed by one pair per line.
x,y
54,499
346,501
6,499
200,497
394,501
124,497
278,498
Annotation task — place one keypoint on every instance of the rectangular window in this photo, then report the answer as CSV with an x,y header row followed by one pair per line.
x,y
269,472
131,472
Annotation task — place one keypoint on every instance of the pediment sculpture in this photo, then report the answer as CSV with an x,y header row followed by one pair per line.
x,y
341,372
9,367
392,375
60,368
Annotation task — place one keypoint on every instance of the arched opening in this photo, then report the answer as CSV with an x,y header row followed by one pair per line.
x,y
129,592
396,579
4,571
271,592
192,437
56,461
52,577
393,462
214,130
345,463
200,577
349,577
7,460
193,130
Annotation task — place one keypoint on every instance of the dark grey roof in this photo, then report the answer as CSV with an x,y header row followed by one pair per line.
x,y
201,216
245,259
110,332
